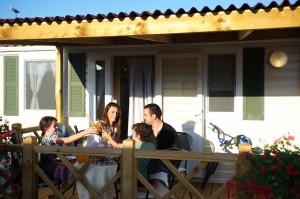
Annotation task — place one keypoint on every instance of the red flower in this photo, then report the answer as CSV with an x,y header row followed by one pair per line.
x,y
264,156
277,165
231,184
231,195
290,137
262,170
292,190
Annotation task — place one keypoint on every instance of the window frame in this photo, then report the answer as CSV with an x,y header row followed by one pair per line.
x,y
26,86
237,114
23,58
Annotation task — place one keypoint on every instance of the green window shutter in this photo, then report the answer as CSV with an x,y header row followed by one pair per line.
x,y
76,84
253,83
11,85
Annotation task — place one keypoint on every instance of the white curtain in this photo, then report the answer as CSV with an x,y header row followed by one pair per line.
x,y
141,87
36,70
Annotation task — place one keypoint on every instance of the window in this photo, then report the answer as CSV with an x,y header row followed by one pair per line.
x,y
40,85
221,82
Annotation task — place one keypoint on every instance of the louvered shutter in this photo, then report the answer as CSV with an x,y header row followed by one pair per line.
x,y
76,84
253,83
11,85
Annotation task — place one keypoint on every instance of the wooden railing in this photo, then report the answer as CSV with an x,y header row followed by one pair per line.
x,y
128,168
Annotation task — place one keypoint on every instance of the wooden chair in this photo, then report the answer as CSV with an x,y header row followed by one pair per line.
x,y
186,142
162,187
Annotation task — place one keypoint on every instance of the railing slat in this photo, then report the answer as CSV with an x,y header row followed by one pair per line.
x,y
186,155
194,171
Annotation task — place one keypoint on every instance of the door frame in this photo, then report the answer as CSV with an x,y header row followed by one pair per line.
x,y
91,86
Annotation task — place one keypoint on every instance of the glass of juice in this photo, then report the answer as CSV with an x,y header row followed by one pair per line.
x,y
107,130
97,126
82,158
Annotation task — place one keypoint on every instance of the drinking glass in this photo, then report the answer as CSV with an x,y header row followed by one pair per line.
x,y
97,125
82,158
107,130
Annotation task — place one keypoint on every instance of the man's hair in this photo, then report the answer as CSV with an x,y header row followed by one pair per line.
x,y
46,122
144,130
154,109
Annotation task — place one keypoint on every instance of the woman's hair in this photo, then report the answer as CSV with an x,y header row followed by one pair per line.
x,y
45,123
154,109
117,123
144,130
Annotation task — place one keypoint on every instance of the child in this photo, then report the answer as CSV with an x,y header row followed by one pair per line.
x,y
48,126
142,134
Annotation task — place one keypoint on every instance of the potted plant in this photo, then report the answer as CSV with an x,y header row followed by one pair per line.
x,y
274,171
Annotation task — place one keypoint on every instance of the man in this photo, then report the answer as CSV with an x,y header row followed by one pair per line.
x,y
166,138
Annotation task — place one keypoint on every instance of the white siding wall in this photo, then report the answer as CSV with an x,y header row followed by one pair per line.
x,y
282,108
27,118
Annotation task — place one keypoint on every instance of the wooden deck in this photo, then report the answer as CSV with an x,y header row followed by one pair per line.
x,y
182,194
128,155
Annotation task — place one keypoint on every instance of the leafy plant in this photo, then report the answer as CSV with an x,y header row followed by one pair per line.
x,y
5,156
5,132
274,172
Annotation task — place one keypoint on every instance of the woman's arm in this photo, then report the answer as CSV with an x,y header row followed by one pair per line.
x,y
111,140
72,138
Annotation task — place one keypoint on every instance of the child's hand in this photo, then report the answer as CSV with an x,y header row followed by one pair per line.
x,y
93,130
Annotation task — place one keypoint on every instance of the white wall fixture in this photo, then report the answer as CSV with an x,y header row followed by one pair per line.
x,y
278,59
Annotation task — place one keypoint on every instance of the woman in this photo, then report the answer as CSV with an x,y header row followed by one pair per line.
x,y
111,120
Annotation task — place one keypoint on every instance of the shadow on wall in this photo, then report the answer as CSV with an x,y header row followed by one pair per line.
x,y
200,143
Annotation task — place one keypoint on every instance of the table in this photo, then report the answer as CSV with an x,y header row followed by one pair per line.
x,y
97,175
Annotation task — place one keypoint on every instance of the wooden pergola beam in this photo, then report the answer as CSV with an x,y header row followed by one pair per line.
x,y
156,38
234,21
244,33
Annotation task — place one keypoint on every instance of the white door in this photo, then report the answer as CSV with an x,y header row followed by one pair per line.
x,y
181,95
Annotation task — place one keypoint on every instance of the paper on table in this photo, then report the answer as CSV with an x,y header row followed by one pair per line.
x,y
69,157
95,141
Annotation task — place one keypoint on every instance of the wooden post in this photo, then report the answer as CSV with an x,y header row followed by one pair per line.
x,y
128,172
243,165
58,85
30,180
